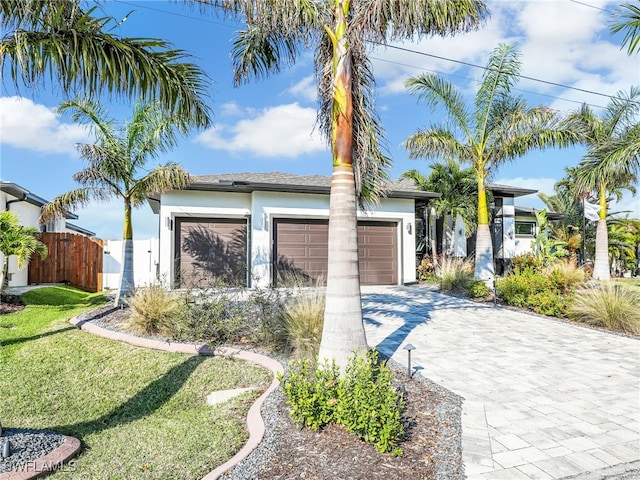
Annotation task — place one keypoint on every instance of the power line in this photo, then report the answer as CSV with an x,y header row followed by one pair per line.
x,y
460,62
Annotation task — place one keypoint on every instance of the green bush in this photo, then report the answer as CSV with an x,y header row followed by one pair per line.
x,y
524,262
363,400
152,309
426,271
537,291
611,306
478,289
455,274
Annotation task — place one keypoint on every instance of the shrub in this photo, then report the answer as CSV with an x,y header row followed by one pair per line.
x,y
302,319
524,262
455,274
550,302
426,271
152,310
529,289
363,400
611,306
478,289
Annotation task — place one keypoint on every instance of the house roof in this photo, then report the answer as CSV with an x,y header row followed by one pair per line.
x,y
508,190
78,229
287,182
532,212
279,181
24,195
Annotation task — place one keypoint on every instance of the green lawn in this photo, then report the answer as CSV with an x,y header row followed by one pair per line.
x,y
139,413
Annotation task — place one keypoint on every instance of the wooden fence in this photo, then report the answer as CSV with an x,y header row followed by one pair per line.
x,y
74,259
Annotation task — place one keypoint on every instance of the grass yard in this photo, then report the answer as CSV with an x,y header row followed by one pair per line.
x,y
139,413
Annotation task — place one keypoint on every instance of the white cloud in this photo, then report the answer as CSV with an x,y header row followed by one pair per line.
x,y
231,109
280,131
305,89
32,126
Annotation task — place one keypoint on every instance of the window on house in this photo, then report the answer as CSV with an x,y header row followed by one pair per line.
x,y
525,228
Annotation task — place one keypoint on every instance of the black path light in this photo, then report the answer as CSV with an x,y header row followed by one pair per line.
x,y
408,347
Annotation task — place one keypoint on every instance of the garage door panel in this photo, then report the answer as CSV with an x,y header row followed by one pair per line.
x,y
209,251
377,250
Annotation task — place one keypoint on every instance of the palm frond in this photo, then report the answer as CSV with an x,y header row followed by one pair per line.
x,y
437,142
79,197
626,19
78,49
164,178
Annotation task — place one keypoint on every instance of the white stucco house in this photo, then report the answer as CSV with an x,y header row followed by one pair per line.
x,y
254,229
28,205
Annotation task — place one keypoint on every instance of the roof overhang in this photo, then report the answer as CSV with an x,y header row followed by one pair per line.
x,y
23,195
509,191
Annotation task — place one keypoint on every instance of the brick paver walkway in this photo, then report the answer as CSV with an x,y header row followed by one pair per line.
x,y
543,399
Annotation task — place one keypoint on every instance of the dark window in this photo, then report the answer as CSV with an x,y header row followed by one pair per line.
x,y
525,228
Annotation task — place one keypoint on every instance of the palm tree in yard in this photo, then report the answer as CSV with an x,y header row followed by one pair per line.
x,y
341,32
18,240
456,186
596,172
116,167
500,127
79,50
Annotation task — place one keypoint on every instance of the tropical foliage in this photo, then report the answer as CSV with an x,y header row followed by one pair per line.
x,y
456,186
116,167
499,127
18,240
341,32
597,173
79,50
611,306
626,19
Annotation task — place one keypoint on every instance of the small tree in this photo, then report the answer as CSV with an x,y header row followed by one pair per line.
x,y
18,240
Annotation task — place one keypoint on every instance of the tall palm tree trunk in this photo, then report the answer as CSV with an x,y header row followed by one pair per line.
x,y
484,248
601,264
343,327
127,285
343,330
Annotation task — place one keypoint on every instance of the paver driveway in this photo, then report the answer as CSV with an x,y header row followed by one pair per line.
x,y
543,399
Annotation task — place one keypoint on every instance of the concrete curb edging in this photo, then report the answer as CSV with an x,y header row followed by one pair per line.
x,y
51,462
255,423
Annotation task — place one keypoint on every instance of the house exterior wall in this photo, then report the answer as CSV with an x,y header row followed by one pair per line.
x,y
508,227
524,243
261,208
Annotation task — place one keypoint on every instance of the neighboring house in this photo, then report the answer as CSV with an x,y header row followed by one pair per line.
x,y
514,228
27,205
256,229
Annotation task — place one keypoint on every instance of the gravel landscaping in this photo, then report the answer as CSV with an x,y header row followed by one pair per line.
x,y
27,446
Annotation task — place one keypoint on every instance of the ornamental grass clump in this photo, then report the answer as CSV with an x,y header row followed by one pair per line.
x,y
302,319
152,309
456,274
611,306
566,275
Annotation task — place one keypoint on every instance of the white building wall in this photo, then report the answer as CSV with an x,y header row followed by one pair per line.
x,y
509,227
263,208
526,243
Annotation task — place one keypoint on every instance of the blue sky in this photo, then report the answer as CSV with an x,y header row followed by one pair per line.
x,y
268,125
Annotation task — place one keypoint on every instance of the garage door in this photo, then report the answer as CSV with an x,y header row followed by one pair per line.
x,y
210,251
300,250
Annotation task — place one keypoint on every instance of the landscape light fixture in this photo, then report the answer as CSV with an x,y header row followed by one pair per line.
x,y
408,347
6,449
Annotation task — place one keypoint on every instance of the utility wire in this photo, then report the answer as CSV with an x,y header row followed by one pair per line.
x,y
409,50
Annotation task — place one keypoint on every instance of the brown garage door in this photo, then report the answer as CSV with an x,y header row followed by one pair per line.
x,y
300,250
210,251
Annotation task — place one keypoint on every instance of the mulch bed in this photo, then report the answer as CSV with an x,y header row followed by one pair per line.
x,y
10,304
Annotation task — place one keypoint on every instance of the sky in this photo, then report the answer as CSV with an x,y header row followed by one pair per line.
x,y
267,125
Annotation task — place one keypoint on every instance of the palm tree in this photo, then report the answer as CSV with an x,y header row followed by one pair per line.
x,y
627,20
457,188
116,167
78,49
18,240
596,172
340,32
500,128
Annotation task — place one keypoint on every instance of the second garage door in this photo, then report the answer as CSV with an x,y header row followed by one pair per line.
x,y
300,249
